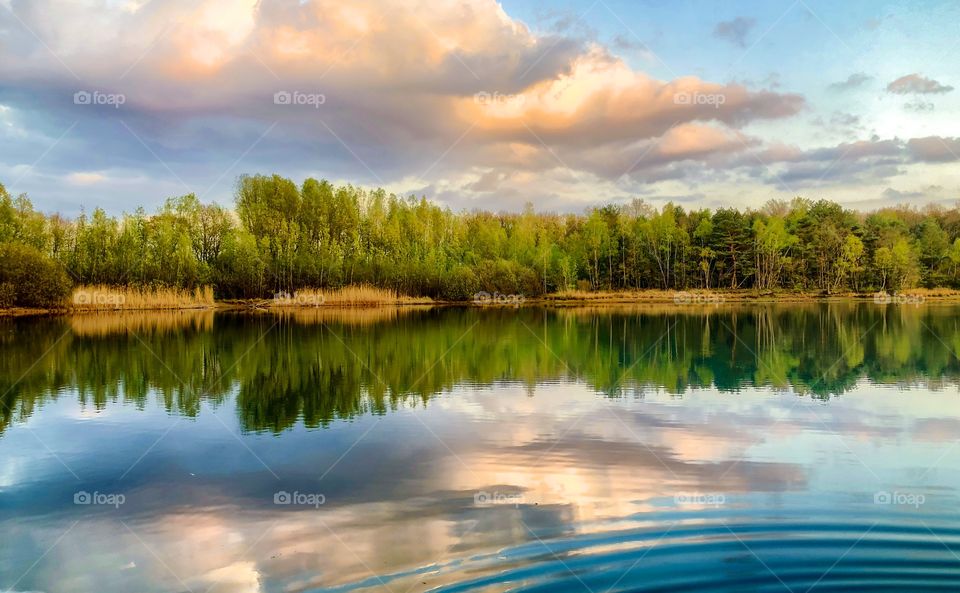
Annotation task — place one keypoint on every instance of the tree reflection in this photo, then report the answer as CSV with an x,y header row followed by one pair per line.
x,y
317,367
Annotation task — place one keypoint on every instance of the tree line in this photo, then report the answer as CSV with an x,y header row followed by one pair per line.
x,y
281,236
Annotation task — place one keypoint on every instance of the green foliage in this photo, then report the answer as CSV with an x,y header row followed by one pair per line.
x,y
28,278
240,269
773,245
282,237
462,284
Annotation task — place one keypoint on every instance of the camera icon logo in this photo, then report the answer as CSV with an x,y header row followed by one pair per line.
x,y
882,497
82,98
282,98
82,497
282,497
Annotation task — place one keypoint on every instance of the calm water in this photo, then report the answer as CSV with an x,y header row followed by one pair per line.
x,y
755,448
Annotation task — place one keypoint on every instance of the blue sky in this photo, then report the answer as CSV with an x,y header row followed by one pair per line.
x,y
475,104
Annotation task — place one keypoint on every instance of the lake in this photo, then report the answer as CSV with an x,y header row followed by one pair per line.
x,y
788,447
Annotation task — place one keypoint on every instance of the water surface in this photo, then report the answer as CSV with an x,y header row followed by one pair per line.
x,y
736,448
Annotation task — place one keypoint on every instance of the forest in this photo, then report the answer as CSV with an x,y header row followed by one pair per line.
x,y
280,236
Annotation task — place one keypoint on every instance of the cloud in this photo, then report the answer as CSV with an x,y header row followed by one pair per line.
x,y
85,178
626,43
934,149
454,99
841,119
601,101
839,124
862,162
400,95
735,31
919,106
917,84
691,140
855,80
901,197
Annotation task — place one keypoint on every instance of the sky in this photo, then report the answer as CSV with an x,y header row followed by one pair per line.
x,y
477,104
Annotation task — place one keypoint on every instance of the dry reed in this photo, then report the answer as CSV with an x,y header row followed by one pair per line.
x,y
110,298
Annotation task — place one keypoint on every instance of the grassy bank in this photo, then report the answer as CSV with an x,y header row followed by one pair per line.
x,y
105,299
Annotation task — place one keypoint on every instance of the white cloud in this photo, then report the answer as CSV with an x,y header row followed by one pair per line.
x,y
85,178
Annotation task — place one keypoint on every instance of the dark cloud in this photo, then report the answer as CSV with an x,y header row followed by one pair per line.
x,y
866,161
488,182
840,123
771,81
735,31
901,197
919,106
625,43
854,81
934,149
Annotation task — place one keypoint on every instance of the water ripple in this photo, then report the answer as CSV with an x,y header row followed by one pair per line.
x,y
728,552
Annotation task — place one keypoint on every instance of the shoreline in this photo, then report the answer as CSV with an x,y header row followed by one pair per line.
x,y
719,297
679,298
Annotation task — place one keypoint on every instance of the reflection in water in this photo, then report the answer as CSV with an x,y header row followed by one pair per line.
x,y
319,365
102,325
352,316
485,450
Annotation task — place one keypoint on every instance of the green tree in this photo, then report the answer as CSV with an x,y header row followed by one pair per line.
x,y
28,278
773,244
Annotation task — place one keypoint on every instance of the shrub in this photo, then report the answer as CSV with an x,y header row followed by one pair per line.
x,y
508,277
8,295
460,284
36,280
